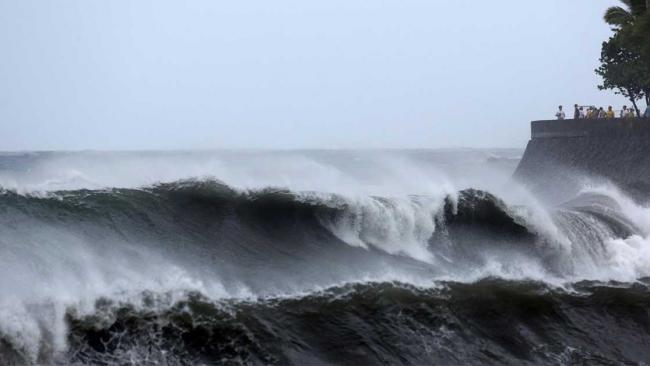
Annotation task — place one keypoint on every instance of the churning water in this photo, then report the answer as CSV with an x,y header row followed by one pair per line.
x,y
314,257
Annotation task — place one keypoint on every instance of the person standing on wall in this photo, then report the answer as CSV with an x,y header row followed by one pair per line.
x,y
610,112
560,114
647,112
576,112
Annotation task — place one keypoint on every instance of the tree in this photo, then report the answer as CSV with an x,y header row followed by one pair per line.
x,y
632,24
625,57
621,18
624,71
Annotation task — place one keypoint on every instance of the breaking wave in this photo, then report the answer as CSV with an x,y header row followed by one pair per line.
x,y
197,271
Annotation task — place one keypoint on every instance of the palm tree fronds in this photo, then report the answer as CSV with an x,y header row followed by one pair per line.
x,y
618,16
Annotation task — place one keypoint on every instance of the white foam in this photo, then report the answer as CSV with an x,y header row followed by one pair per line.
x,y
391,207
398,225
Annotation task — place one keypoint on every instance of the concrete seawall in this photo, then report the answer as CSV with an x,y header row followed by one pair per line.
x,y
561,154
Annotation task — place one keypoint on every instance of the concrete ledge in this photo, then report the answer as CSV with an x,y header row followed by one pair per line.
x,y
562,155
589,127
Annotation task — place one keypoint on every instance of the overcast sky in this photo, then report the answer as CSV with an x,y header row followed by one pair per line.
x,y
158,74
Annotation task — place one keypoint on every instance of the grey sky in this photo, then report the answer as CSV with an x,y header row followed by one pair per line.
x,y
292,74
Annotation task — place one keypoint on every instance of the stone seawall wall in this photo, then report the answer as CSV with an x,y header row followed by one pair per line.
x,y
561,153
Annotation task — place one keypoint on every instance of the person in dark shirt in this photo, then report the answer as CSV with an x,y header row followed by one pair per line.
x,y
576,112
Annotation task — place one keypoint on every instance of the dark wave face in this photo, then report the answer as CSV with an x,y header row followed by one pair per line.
x,y
197,272
488,322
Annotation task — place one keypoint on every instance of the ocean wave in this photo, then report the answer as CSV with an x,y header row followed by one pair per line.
x,y
82,269
496,321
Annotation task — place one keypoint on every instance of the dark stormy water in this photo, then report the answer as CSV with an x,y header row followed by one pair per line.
x,y
314,258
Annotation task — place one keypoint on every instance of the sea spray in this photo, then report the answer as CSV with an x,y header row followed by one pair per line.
x,y
275,268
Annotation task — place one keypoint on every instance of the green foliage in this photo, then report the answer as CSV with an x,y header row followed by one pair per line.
x,y
618,16
625,57
623,70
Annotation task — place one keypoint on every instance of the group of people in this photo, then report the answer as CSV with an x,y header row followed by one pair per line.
x,y
595,113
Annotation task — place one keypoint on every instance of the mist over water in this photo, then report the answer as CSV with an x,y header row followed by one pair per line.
x,y
273,257
340,171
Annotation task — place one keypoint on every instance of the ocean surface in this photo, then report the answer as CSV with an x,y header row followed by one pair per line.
x,y
369,257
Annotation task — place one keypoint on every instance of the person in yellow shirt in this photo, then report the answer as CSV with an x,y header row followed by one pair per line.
x,y
610,113
629,113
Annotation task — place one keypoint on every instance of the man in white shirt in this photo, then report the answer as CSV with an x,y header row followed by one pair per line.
x,y
560,114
